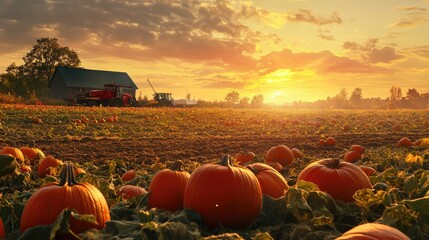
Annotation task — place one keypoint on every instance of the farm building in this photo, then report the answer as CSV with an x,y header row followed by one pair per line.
x,y
68,82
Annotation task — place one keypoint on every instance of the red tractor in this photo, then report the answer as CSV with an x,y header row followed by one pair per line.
x,y
113,96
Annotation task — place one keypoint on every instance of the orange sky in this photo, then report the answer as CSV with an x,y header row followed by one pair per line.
x,y
287,50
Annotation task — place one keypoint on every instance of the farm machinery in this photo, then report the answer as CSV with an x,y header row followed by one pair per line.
x,y
112,95
160,99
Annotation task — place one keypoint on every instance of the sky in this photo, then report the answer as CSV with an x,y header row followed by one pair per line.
x,y
286,50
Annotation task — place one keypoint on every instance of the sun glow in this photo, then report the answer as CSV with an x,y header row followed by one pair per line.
x,y
279,76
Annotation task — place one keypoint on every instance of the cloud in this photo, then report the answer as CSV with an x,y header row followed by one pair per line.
x,y
304,15
326,35
414,17
324,62
371,53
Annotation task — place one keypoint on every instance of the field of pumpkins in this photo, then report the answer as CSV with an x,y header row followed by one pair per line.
x,y
169,173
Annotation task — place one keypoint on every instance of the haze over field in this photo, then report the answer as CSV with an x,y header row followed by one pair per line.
x,y
286,50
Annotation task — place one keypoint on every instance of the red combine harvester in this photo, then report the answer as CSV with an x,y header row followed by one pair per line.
x,y
113,95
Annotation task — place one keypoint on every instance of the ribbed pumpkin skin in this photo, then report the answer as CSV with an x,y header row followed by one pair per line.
x,y
224,194
44,206
373,231
2,233
271,181
167,189
339,179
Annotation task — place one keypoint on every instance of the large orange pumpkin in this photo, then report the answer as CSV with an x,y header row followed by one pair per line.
x,y
224,194
168,187
14,152
281,154
373,231
44,206
339,179
271,181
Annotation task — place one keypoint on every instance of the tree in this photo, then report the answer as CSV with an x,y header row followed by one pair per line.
x,y
340,99
395,96
39,65
232,97
244,102
356,98
257,100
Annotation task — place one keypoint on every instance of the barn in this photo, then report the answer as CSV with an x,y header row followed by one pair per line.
x,y
68,82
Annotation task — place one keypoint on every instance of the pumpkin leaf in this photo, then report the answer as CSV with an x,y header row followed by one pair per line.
x,y
319,203
398,216
187,216
365,198
273,210
420,205
8,164
124,229
307,186
298,206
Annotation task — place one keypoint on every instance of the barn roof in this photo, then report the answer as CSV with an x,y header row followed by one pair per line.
x,y
87,78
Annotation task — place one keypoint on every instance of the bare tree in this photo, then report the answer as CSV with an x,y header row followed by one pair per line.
x,y
395,96
356,98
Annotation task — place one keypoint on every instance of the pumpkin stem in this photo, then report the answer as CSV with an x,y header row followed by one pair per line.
x,y
226,160
67,175
177,166
333,163
254,170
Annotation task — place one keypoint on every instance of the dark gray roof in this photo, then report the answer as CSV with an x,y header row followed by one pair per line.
x,y
87,78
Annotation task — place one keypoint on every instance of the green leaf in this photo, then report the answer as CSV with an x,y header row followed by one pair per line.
x,y
420,205
187,216
366,197
398,216
8,164
273,211
307,186
298,206
320,203
124,229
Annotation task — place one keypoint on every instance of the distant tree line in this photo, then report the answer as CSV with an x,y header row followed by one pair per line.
x,y
411,100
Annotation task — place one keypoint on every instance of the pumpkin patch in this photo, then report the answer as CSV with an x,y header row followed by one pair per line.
x,y
308,196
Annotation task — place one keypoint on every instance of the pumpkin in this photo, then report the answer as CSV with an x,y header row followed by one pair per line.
x,y
404,142
128,175
2,232
417,142
281,154
322,142
47,164
129,191
32,153
331,141
277,166
224,194
43,207
78,170
23,168
369,171
271,181
297,153
373,231
244,157
352,156
339,179
14,152
8,164
357,148
168,187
